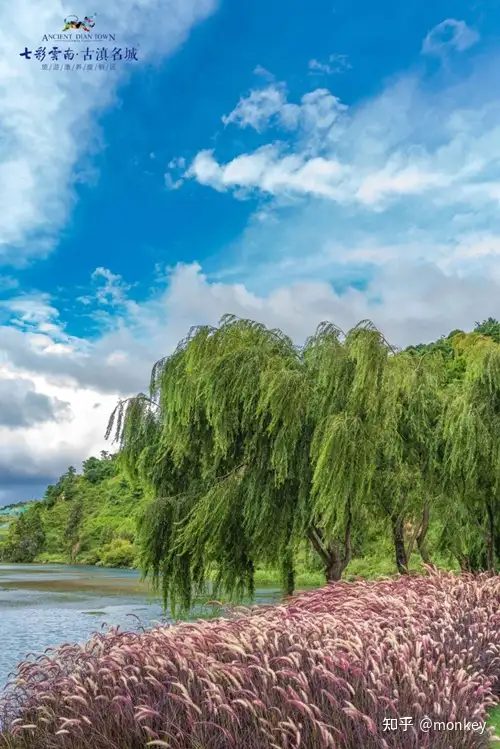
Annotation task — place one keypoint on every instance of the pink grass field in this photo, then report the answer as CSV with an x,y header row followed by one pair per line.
x,y
321,670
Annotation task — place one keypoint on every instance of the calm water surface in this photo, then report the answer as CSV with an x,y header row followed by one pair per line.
x,y
46,605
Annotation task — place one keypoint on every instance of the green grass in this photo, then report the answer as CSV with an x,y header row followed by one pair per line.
x,y
494,722
265,578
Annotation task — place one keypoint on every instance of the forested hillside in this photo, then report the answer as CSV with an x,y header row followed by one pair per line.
x,y
83,519
91,517
8,515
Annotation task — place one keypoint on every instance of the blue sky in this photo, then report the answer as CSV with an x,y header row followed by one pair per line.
x,y
288,162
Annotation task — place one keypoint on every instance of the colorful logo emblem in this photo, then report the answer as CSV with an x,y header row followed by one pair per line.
x,y
73,22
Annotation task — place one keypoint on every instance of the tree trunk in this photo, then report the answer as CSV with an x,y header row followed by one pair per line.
x,y
336,564
75,548
290,582
478,560
464,562
497,543
424,527
335,556
399,545
490,540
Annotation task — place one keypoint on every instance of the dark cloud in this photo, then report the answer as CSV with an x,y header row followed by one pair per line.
x,y
21,406
12,496
24,477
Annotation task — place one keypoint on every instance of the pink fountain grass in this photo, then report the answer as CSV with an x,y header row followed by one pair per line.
x,y
322,670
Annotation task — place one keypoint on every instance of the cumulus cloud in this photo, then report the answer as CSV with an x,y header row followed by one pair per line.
x,y
442,146
42,139
399,192
269,171
450,34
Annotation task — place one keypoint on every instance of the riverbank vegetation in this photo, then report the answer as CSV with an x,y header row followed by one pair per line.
x,y
342,666
253,450
252,461
252,457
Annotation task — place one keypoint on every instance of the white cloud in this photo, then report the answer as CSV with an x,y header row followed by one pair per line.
x,y
29,310
269,107
259,70
260,106
400,191
336,64
267,170
450,34
113,289
171,183
41,136
401,143
175,165
178,162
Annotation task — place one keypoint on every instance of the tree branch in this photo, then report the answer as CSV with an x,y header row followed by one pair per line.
x,y
317,545
141,397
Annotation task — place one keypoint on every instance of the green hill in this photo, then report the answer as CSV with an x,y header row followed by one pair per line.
x,y
8,515
83,519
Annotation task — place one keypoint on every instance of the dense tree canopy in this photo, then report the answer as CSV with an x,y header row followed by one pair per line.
x,y
250,454
248,444
26,538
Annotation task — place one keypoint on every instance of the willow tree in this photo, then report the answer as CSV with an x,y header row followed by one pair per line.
x,y
249,444
408,479
221,442
471,433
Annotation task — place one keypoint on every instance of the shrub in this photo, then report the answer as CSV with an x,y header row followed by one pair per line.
x,y
88,557
322,670
119,553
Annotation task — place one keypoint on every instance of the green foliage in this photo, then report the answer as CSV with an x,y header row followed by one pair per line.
x,y
471,429
489,328
248,444
72,529
121,552
26,537
65,487
85,519
251,459
95,470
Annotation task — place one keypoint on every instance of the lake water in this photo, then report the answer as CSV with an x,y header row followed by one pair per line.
x,y
46,605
